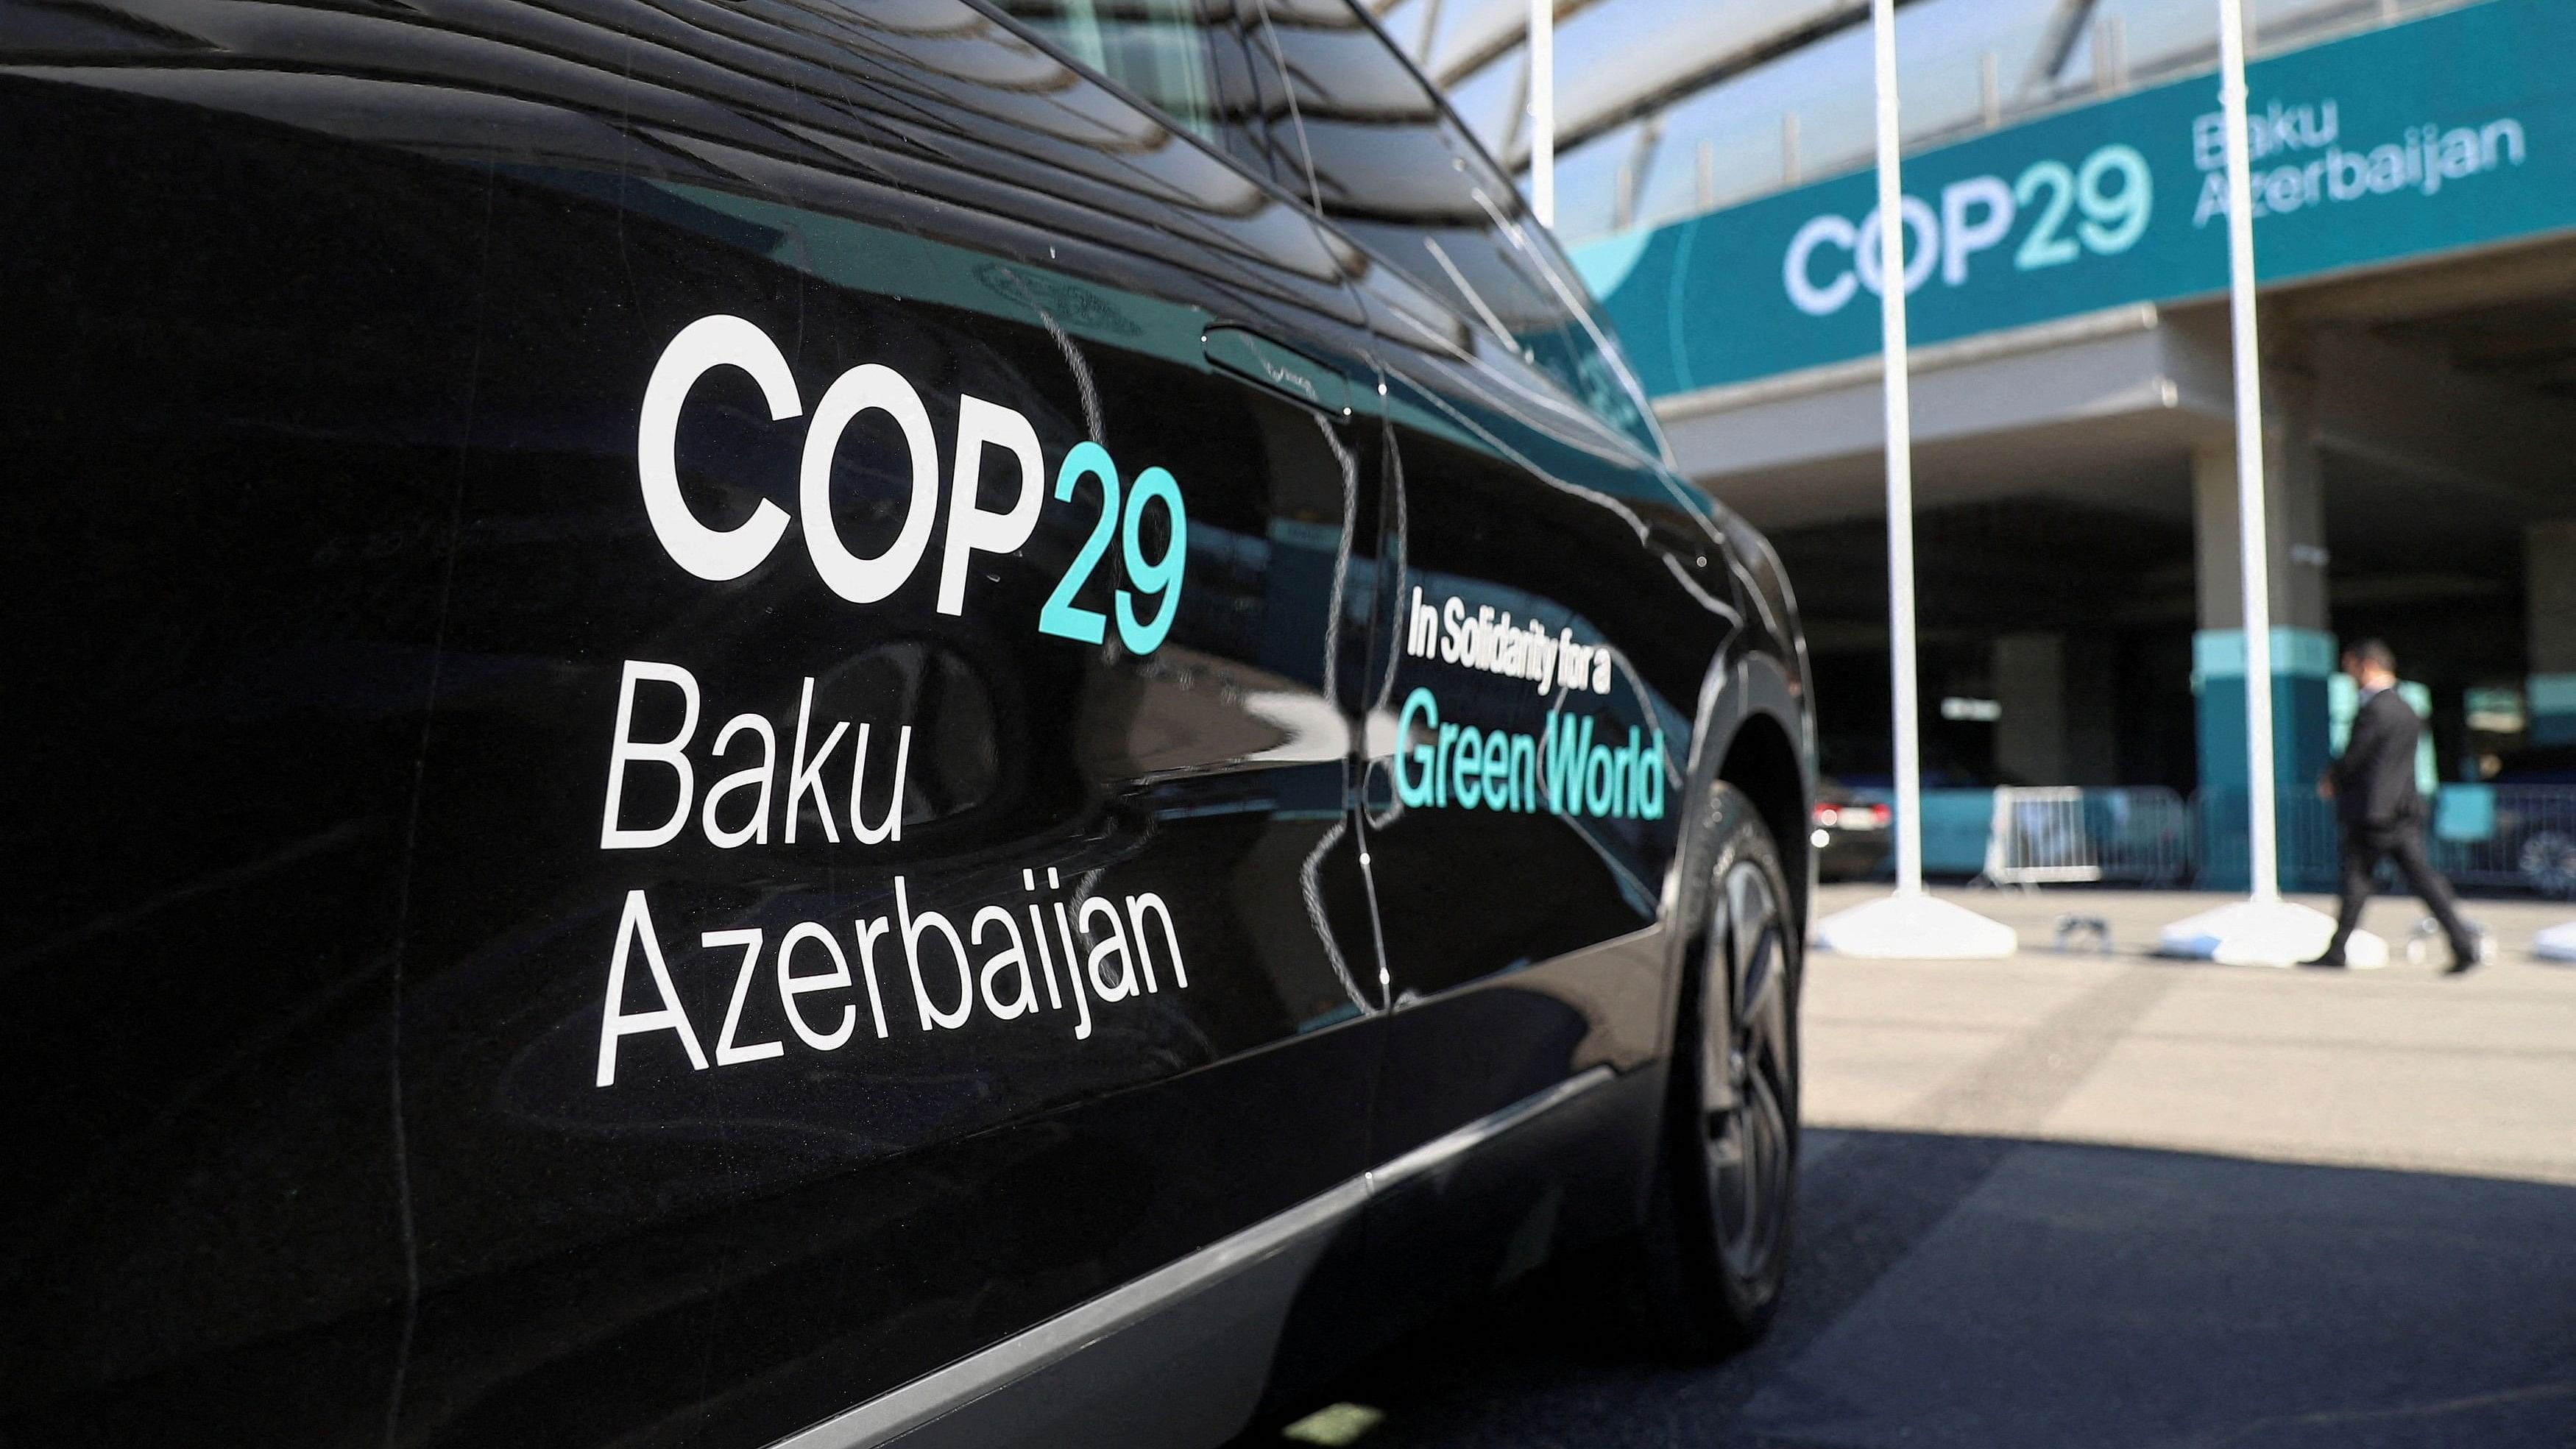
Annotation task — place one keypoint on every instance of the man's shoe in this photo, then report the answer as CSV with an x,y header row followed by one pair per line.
x,y
2326,963
2462,963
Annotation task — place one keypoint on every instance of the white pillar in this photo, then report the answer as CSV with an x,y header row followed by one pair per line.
x,y
1899,397
2263,929
1908,924
1542,111
2253,545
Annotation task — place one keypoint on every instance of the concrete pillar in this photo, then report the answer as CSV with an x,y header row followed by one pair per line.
x,y
2030,685
2295,521
2303,650
2549,585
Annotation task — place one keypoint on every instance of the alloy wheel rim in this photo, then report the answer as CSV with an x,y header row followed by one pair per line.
x,y
2549,863
1745,1067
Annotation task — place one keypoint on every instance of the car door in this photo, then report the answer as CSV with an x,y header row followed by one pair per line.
x,y
1561,607
835,517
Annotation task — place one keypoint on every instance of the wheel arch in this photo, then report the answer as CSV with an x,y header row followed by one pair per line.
x,y
1761,762
1762,737
1757,737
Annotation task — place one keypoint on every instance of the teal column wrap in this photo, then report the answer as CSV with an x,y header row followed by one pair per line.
x,y
2553,709
2303,661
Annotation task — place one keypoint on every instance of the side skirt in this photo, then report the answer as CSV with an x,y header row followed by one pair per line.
x,y
1178,1357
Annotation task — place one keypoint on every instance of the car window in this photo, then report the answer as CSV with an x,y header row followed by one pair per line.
x,y
1401,177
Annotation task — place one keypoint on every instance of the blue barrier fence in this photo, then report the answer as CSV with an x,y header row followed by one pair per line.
x,y
2511,838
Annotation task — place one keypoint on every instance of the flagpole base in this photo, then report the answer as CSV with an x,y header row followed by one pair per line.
x,y
1915,928
2265,933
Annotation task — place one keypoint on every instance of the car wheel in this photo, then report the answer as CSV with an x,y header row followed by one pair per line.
x,y
1716,1244
2548,861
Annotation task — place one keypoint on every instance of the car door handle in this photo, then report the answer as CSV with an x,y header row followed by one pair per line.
x,y
1283,370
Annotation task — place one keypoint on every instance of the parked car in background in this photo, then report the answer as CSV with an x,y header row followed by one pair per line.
x,y
2527,820
762,723
1851,836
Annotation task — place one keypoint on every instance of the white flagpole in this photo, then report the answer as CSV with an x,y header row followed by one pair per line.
x,y
2262,929
2253,548
1542,111
1908,924
1900,456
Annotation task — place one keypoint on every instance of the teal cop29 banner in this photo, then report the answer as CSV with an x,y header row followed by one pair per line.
x,y
2444,132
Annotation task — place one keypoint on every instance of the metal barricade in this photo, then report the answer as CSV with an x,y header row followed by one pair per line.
x,y
2305,839
2038,838
2145,834
2483,837
2066,834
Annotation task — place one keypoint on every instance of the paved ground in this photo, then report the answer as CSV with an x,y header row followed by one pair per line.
x,y
2085,1200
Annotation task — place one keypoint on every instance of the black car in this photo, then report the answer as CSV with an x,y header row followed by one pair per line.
x,y
1850,836
811,722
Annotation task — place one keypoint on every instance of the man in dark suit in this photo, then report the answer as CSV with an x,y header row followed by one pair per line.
x,y
2380,811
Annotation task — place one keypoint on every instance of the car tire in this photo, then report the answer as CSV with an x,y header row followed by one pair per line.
x,y
1711,1260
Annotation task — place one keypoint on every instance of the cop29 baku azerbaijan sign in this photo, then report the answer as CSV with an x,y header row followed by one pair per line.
x,y
2449,131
